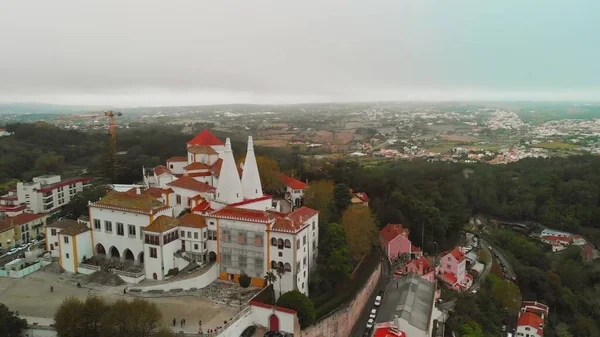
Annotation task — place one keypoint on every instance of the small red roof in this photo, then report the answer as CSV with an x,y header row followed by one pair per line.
x,y
302,214
161,169
216,167
363,196
456,253
192,220
588,252
449,278
391,231
206,138
12,208
421,261
388,331
196,166
202,207
292,183
415,249
557,238
177,159
192,184
243,214
251,201
24,218
200,174
532,320
9,197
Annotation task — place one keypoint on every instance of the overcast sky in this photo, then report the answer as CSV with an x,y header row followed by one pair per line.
x,y
153,52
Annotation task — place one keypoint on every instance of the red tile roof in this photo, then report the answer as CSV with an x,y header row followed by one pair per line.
x,y
421,261
157,192
177,159
363,196
456,253
12,208
24,218
160,169
130,202
216,167
243,214
557,238
205,138
9,197
292,183
202,207
388,331
192,220
196,166
449,278
415,249
251,201
391,231
201,149
192,184
162,224
532,320
588,252
302,214
199,174
269,306
5,225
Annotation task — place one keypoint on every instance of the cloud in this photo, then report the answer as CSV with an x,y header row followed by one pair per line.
x,y
266,51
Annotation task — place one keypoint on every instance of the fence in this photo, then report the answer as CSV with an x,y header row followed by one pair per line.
x,y
20,273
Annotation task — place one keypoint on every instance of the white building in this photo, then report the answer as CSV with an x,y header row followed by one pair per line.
x,y
48,193
4,133
75,246
232,223
532,317
294,190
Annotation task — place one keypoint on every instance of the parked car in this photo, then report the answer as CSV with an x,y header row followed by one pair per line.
x,y
377,301
13,250
370,323
34,241
373,314
504,328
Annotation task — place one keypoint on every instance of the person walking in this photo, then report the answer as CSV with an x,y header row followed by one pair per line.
x,y
181,322
184,322
174,321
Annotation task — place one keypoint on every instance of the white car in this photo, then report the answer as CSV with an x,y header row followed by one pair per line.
x,y
373,314
377,301
13,250
370,323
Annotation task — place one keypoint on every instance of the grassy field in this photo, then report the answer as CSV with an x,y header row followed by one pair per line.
x,y
555,145
441,147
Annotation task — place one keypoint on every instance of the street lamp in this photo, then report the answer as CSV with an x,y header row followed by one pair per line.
x,y
435,253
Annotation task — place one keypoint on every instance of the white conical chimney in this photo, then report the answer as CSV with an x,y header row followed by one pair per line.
x,y
229,190
250,176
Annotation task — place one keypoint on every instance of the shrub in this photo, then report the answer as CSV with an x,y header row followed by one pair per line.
x,y
244,281
296,300
249,331
173,272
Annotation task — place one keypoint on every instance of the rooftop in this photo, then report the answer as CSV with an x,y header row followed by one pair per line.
x,y
24,218
205,137
196,166
65,182
63,224
192,220
162,224
192,184
532,320
292,183
177,159
75,229
201,149
243,214
411,299
302,214
161,169
391,231
139,202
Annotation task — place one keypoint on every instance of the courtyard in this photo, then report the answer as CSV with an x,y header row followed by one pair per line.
x,y
31,297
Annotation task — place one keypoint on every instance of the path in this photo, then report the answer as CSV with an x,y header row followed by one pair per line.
x,y
384,280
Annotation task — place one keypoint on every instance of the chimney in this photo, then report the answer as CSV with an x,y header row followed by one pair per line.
x,y
138,191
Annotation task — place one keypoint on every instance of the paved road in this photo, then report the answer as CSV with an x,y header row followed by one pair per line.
x,y
8,258
361,323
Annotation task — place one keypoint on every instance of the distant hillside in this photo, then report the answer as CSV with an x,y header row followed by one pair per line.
x,y
42,108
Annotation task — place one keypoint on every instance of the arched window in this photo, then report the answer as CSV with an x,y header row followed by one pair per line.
x,y
273,265
280,266
273,242
288,244
288,267
280,243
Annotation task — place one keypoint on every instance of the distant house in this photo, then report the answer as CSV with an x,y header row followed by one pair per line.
x,y
395,242
452,270
4,133
294,191
421,267
359,198
532,319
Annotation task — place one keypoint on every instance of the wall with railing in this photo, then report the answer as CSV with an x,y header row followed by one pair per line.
x,y
197,282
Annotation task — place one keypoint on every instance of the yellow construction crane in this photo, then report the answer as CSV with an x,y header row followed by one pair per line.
x,y
112,132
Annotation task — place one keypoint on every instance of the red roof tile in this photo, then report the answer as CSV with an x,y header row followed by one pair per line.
x,y
363,196
269,306
243,214
251,201
200,174
456,253
530,319
192,220
177,159
201,149
388,331
588,251
391,231
557,238
196,166
160,169
415,249
205,138
292,183
9,197
12,208
192,184
216,167
202,207
5,225
302,214
421,261
24,218
155,192
449,278
49,188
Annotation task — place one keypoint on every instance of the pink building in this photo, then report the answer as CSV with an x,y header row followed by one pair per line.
x,y
421,267
452,270
531,319
395,242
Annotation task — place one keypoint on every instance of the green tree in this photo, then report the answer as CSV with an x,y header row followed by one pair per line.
x,y
69,319
297,301
92,306
270,278
50,163
144,318
244,280
319,195
10,324
361,231
270,175
471,329
341,195
78,205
